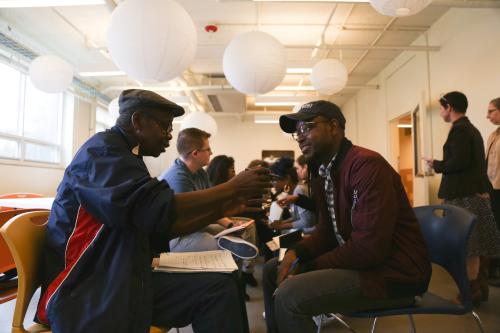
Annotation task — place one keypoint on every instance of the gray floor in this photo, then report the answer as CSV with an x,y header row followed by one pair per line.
x,y
441,283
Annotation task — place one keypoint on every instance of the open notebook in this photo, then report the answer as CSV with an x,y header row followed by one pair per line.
x,y
196,262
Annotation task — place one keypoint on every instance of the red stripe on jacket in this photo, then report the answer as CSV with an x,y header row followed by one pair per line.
x,y
84,233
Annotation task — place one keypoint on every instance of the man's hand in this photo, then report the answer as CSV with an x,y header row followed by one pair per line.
x,y
276,225
288,200
252,182
285,268
239,205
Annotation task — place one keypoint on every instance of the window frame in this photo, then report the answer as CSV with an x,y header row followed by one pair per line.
x,y
22,140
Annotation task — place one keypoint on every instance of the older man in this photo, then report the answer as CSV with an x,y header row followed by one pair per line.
x,y
367,250
108,219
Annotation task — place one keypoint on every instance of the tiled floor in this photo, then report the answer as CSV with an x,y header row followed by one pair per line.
x,y
441,283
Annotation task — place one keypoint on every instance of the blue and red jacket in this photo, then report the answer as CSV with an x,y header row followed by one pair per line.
x,y
108,218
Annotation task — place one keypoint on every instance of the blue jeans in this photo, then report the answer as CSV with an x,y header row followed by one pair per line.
x,y
290,308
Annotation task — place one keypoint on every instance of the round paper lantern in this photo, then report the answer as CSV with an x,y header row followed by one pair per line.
x,y
200,120
51,74
153,40
399,7
329,76
254,62
114,108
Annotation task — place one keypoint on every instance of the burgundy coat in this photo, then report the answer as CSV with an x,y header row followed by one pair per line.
x,y
374,217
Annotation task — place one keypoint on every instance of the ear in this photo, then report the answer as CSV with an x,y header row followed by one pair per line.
x,y
137,121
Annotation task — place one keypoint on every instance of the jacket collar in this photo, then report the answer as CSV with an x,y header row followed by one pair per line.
x,y
345,145
132,142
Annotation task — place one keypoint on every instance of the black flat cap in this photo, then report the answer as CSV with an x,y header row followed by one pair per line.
x,y
133,98
329,110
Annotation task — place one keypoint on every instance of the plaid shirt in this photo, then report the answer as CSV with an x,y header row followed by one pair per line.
x,y
325,172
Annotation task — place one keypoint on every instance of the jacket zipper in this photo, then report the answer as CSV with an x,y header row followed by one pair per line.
x,y
354,202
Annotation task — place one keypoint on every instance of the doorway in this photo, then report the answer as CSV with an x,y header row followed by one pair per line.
x,y
403,151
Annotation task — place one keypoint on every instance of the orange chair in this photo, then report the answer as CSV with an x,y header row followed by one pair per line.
x,y
17,196
25,237
8,289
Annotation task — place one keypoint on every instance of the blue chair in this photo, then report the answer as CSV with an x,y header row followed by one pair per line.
x,y
446,230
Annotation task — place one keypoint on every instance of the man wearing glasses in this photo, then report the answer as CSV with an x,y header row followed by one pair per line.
x,y
367,250
187,174
110,217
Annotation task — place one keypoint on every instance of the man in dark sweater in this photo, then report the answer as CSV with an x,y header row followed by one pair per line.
x,y
367,251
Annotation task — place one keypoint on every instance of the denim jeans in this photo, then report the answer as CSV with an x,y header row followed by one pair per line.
x,y
290,308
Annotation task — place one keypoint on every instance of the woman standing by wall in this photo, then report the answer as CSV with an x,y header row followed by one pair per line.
x,y
465,184
493,162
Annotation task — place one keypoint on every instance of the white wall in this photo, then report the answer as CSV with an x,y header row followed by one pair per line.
x,y
468,61
242,139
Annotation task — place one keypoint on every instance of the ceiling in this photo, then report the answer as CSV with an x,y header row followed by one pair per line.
x,y
354,33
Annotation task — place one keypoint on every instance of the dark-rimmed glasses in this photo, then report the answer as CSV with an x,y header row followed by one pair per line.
x,y
165,126
303,128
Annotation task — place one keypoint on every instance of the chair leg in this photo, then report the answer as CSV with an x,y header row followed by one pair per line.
x,y
374,324
478,321
340,320
320,324
412,324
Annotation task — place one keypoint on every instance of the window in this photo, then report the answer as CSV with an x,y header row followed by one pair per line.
x,y
31,126
103,119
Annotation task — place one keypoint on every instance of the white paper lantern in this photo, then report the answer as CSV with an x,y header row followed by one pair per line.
x,y
51,74
153,40
200,120
254,62
399,7
329,76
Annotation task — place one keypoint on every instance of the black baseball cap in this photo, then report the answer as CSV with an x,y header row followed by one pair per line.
x,y
329,110
134,98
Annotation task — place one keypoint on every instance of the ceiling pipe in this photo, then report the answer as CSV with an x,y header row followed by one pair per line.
x,y
224,87
368,47
468,3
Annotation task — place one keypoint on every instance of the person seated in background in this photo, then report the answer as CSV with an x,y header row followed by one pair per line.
x,y
110,217
301,218
220,170
367,250
187,175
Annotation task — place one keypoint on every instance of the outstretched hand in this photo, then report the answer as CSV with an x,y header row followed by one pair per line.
x,y
288,200
251,182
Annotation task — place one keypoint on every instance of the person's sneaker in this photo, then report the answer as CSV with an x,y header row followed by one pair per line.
x,y
238,247
248,279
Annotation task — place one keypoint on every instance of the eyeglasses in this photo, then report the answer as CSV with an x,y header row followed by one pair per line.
x,y
165,126
205,149
303,128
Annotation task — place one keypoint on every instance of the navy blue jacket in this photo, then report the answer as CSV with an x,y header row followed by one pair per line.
x,y
108,218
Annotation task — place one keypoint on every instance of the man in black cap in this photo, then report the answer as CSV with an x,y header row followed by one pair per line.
x,y
367,250
110,217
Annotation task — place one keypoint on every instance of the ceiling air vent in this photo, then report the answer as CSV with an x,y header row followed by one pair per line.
x,y
214,100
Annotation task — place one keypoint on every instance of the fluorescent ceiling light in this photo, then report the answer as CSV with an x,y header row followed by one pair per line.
x,y
361,1
47,3
276,103
298,70
277,100
404,126
265,119
100,74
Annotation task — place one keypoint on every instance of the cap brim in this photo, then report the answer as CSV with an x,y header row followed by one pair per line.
x,y
288,122
177,112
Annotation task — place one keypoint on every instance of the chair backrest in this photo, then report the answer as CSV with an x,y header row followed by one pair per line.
x,y
6,260
25,237
446,230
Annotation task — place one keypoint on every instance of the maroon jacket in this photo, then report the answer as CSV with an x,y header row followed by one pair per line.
x,y
374,217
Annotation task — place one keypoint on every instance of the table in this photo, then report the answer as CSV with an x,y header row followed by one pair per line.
x,y
28,203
